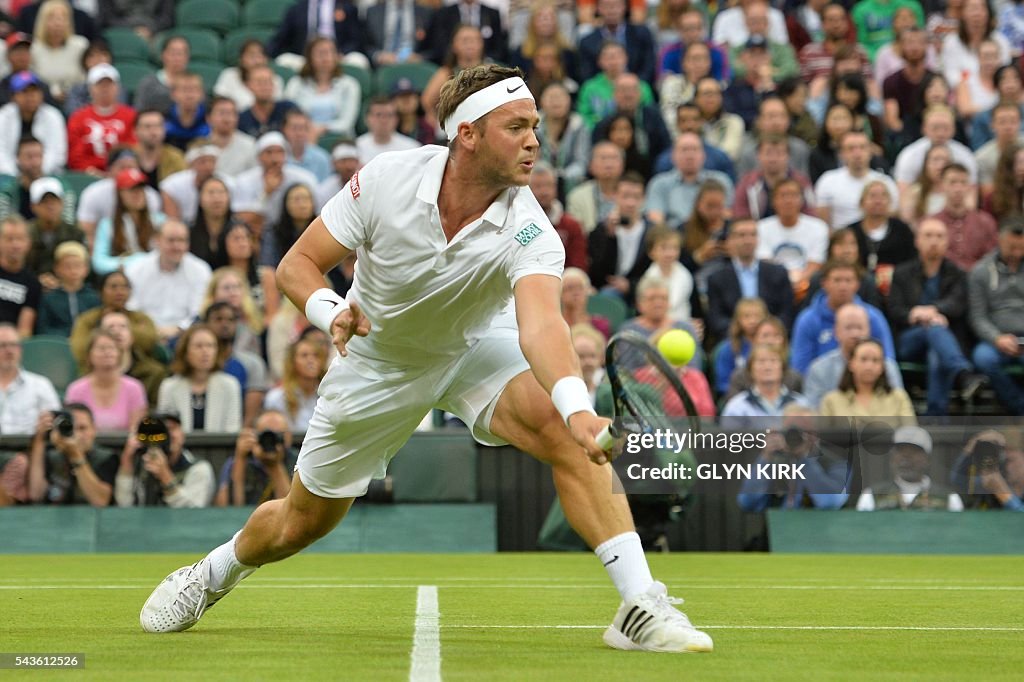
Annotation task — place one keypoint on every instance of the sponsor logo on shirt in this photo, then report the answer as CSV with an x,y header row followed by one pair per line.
x,y
353,185
527,234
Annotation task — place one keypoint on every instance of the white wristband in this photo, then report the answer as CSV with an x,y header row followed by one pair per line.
x,y
322,307
570,395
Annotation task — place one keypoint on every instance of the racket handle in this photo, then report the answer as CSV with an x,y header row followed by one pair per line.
x,y
607,437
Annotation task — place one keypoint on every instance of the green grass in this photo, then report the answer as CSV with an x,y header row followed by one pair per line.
x,y
772,617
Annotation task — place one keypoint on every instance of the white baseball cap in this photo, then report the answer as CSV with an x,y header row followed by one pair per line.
x,y
272,139
913,435
101,71
43,186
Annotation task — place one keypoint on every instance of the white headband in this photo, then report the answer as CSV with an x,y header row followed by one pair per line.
x,y
201,151
485,101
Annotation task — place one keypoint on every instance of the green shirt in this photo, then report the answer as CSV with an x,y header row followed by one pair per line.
x,y
596,99
873,19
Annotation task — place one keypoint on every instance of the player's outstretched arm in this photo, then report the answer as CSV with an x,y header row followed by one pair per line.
x,y
300,276
546,343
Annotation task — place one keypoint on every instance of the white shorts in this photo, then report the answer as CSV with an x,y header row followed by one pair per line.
x,y
361,420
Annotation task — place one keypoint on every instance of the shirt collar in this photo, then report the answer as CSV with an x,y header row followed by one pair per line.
x,y
430,188
753,267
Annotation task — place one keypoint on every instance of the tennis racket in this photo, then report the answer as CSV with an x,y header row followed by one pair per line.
x,y
647,393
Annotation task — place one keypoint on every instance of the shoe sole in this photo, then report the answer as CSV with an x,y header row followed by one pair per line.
x,y
616,640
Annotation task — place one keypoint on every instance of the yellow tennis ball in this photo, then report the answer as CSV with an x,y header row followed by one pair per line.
x,y
677,346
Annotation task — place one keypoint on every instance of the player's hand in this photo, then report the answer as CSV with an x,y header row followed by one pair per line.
x,y
584,428
349,323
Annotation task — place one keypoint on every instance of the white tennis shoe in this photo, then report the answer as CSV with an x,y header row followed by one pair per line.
x,y
651,622
180,600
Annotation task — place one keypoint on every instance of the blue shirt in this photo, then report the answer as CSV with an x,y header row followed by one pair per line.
x,y
714,159
178,134
671,61
747,277
315,160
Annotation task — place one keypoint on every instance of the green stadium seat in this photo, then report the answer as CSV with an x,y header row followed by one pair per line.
x,y
283,71
204,43
127,44
265,13
364,77
217,15
328,140
210,71
419,73
233,41
132,72
50,356
610,307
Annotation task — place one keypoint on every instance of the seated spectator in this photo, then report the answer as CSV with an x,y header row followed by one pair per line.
x,y
818,58
925,196
212,216
115,290
547,68
180,192
772,121
744,276
671,195
796,241
135,361
625,134
874,22
73,469
883,242
94,130
19,58
26,395
704,234
228,285
1007,198
653,318
1006,124
851,89
20,290
154,90
260,190
267,112
186,119
812,331
168,282
29,117
576,290
237,247
731,353
253,474
767,397
822,473
928,311
825,155
61,306
345,162
544,185
392,30
722,128
745,92
650,134
412,121
301,150
889,58
231,81
635,38
990,475
592,201
589,345
731,24
15,191
961,49
156,159
664,247
99,200
970,233
56,47
131,233
147,18
864,390
1010,88
977,92
49,229
793,93
596,98
382,134
325,92
771,332
157,470
754,192
840,192
237,150
207,398
248,368
446,21
938,128
688,120
617,256
910,486
117,401
78,96
466,50
904,90
781,56
852,324
297,211
296,397
691,27
677,88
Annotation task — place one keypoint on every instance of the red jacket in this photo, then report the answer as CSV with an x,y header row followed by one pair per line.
x,y
91,135
574,241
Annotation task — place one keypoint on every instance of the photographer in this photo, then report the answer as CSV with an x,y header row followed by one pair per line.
x,y
910,486
157,470
261,467
796,443
988,475
66,466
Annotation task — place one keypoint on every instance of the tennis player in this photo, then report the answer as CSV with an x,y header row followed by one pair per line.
x,y
446,239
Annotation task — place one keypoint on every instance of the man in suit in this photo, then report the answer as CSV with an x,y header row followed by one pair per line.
x,y
618,257
393,29
442,26
307,19
636,38
746,277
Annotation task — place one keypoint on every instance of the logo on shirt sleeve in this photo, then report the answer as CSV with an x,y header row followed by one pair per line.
x,y
528,234
353,185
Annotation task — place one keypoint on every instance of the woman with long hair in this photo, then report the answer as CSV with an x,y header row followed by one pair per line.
x,y
960,50
56,49
925,197
206,397
977,94
721,128
621,131
212,216
324,91
1009,88
850,89
296,397
864,390
677,88
732,352
229,284
231,81
545,68
1008,194
298,209
236,247
564,137
465,51
824,157
543,30
117,401
704,232
115,290
131,232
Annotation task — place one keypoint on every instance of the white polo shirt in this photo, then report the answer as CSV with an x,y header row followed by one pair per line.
x,y
428,299
840,192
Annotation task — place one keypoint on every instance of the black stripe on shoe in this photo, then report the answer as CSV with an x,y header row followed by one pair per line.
x,y
640,628
625,621
640,616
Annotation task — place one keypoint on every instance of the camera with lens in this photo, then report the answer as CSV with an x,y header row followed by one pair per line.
x,y
986,456
64,423
270,440
794,437
153,433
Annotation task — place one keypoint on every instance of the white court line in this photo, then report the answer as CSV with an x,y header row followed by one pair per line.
x,y
602,586
426,647
923,628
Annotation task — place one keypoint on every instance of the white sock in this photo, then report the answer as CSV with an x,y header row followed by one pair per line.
x,y
623,558
223,567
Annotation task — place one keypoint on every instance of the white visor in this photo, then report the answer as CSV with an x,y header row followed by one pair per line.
x,y
483,102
